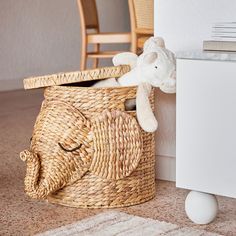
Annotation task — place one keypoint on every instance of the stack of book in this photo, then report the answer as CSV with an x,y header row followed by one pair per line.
x,y
223,38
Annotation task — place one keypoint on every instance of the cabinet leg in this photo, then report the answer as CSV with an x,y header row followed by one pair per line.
x,y
200,207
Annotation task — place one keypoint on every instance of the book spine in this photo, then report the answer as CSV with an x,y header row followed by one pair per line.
x,y
219,46
224,31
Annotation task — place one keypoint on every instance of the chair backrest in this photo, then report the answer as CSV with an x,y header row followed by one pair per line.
x,y
88,14
142,14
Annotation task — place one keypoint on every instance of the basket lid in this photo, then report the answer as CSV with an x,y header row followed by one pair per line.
x,y
75,77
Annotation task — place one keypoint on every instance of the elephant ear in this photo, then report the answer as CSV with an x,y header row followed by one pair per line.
x,y
117,143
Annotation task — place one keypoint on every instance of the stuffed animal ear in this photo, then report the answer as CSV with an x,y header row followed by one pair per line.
x,y
125,58
150,57
153,43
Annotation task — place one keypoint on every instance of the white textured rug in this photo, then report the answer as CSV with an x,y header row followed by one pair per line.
x,y
114,223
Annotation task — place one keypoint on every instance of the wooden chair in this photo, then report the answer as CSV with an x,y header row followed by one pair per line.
x,y
89,22
142,22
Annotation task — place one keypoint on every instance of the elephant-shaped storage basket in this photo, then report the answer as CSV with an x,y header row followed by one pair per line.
x,y
86,150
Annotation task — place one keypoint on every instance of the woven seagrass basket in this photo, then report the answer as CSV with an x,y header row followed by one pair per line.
x,y
86,150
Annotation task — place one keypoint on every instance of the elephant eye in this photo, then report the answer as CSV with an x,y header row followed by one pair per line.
x,y
69,150
156,67
31,139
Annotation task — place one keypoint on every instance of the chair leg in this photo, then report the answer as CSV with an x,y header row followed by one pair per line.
x,y
83,63
83,59
134,44
96,60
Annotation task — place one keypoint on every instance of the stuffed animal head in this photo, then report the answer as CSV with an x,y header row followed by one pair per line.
x,y
156,66
158,69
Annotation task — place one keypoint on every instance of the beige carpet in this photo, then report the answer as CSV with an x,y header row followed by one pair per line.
x,y
116,223
22,216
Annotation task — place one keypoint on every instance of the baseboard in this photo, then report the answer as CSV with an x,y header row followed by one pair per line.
x,y
165,168
11,84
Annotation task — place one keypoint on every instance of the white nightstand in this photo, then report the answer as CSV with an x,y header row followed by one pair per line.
x,y
206,127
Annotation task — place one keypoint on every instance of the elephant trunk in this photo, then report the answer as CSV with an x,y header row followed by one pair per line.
x,y
33,188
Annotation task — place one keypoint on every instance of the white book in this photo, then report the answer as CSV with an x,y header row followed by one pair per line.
x,y
223,30
224,38
224,35
225,24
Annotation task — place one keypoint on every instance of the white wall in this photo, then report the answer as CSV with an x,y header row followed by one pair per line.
x,y
40,37
184,24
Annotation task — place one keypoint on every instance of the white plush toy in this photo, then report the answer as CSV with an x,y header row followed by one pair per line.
x,y
154,67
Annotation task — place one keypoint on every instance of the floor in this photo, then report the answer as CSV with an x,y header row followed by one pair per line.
x,y
21,216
